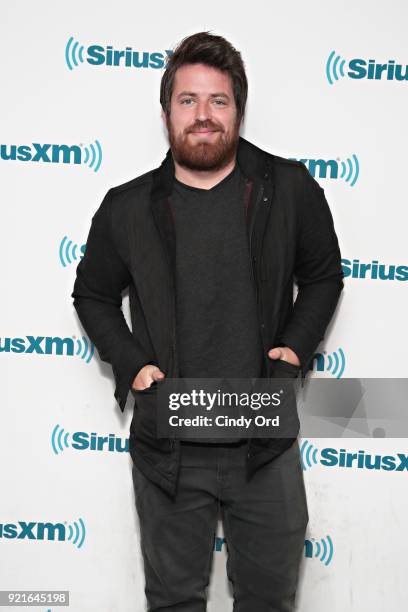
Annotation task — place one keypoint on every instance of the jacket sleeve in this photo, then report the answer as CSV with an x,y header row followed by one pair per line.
x,y
318,274
101,276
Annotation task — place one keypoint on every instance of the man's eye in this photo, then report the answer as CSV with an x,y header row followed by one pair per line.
x,y
217,102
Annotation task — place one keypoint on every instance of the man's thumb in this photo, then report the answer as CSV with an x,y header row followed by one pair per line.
x,y
275,353
158,374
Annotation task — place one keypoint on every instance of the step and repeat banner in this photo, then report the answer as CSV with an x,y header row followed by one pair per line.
x,y
80,113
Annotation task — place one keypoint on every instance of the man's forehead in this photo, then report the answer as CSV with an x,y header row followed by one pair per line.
x,y
196,77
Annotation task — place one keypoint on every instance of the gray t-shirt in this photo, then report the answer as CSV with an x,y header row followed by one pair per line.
x,y
217,329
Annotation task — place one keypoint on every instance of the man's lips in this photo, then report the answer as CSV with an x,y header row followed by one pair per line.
x,y
203,131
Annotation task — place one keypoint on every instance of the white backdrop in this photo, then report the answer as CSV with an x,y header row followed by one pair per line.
x,y
57,398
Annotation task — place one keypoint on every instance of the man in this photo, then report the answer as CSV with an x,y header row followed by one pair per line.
x,y
209,244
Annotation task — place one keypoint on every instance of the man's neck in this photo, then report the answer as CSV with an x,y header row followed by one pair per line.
x,y
202,179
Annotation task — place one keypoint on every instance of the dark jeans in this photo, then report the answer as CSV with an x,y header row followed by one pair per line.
x,y
264,524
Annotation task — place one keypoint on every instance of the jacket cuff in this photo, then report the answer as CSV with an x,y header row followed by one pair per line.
x,y
125,371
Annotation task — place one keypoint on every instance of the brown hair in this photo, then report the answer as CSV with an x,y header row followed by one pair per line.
x,y
211,50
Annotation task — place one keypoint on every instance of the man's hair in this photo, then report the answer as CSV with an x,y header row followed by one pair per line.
x,y
211,50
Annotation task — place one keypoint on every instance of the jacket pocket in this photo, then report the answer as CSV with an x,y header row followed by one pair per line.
x,y
151,387
284,369
145,412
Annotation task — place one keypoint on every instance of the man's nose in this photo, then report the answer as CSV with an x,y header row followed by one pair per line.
x,y
203,111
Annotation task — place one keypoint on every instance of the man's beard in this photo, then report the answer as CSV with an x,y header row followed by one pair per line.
x,y
202,155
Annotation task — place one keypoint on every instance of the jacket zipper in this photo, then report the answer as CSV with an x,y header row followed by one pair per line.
x,y
251,231
254,281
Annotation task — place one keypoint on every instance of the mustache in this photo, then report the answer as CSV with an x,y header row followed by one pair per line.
x,y
205,126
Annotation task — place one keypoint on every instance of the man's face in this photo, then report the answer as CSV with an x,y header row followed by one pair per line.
x,y
202,126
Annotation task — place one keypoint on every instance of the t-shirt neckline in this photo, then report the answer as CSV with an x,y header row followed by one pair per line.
x,y
215,187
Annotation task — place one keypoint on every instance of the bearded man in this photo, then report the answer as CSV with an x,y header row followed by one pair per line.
x,y
210,245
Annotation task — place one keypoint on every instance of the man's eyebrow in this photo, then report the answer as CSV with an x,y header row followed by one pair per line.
x,y
213,95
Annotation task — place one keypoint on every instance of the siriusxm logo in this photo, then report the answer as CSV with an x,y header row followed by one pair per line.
x,y
374,270
331,457
106,55
334,362
81,440
68,251
63,532
335,169
49,345
321,549
90,156
359,68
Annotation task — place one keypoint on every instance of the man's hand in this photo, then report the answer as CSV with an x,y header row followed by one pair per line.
x,y
146,376
285,353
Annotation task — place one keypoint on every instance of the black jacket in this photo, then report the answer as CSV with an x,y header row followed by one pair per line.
x,y
131,244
